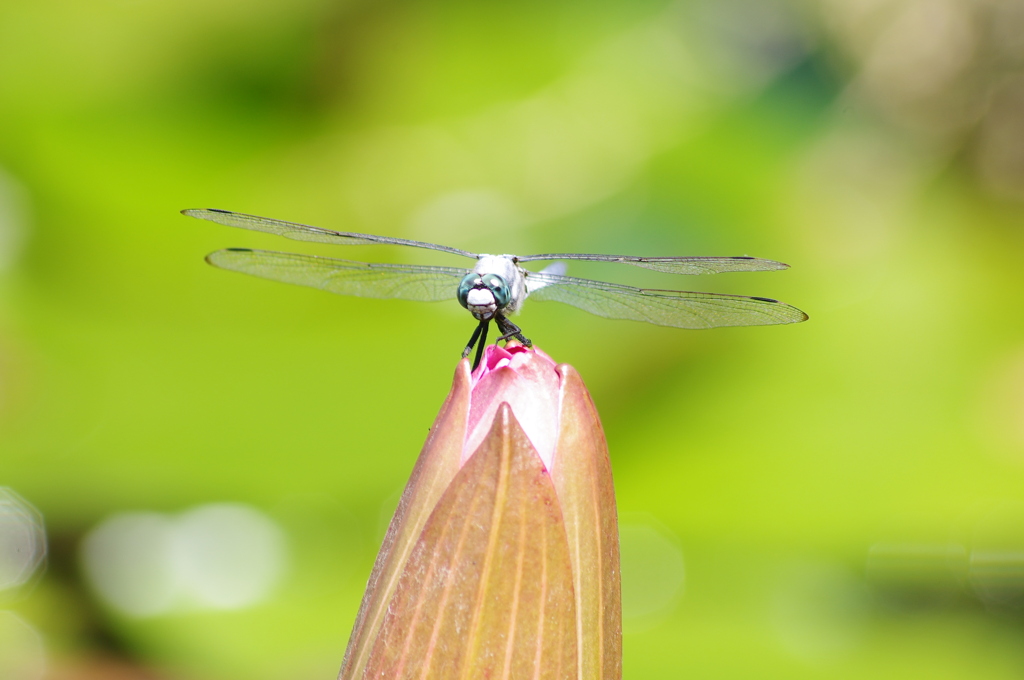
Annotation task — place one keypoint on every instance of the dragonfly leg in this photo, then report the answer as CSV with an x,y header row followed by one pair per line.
x,y
509,330
472,340
483,342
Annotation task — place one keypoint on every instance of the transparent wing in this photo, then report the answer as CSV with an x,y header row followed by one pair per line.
x,y
344,277
681,309
303,232
675,265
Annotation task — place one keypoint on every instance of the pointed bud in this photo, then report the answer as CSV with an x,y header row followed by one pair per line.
x,y
502,558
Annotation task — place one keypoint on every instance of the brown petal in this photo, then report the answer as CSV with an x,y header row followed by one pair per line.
x,y
583,478
435,468
487,591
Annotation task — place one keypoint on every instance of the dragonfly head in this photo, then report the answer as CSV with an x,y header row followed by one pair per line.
x,y
484,295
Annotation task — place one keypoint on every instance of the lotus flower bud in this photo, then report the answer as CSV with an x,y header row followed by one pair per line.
x,y
502,559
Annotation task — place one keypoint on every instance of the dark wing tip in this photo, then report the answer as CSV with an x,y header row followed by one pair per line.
x,y
213,257
199,212
803,314
774,264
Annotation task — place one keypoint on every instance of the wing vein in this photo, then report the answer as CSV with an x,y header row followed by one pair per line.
x,y
344,277
305,232
676,308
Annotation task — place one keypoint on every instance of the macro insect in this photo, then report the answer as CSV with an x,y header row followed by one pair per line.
x,y
497,285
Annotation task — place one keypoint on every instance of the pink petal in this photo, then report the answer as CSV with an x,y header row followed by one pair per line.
x,y
524,378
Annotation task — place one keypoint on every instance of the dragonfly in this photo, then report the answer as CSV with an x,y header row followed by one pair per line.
x,y
497,285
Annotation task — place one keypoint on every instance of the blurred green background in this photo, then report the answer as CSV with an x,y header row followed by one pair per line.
x,y
838,499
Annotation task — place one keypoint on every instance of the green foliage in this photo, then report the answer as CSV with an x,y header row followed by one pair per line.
x,y
135,377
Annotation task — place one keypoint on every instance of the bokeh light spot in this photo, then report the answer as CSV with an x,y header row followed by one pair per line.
x,y
996,569
127,559
219,556
22,539
227,555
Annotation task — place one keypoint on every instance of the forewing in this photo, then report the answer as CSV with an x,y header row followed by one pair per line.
x,y
680,309
674,265
304,232
344,277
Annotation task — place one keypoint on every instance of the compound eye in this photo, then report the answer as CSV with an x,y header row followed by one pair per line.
x,y
497,285
468,283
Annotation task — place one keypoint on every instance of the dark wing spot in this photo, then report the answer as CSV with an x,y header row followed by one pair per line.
x,y
757,298
227,212
249,250
742,257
